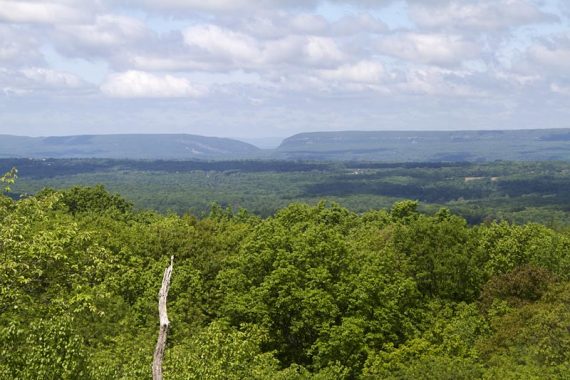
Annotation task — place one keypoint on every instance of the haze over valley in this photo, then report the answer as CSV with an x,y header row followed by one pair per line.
x,y
391,146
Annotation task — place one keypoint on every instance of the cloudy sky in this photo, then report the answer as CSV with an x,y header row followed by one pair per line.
x,y
265,68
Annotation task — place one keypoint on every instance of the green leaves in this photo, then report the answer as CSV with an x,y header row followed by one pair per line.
x,y
315,292
93,199
220,352
45,348
9,179
506,246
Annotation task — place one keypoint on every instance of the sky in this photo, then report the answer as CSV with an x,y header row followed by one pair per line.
x,y
273,68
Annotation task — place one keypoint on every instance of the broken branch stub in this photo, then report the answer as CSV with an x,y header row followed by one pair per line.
x,y
164,323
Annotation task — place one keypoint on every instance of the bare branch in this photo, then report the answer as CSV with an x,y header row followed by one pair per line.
x,y
164,323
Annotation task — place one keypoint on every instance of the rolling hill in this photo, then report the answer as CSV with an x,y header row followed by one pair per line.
x,y
390,146
133,146
472,146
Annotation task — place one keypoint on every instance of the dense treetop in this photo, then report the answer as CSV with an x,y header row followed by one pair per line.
x,y
312,292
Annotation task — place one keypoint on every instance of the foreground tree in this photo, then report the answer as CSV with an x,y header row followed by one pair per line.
x,y
314,292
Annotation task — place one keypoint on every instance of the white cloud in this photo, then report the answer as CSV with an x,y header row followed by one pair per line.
x,y
517,80
18,48
139,84
274,24
244,5
480,15
360,72
52,78
104,36
439,82
241,50
292,54
157,62
223,43
308,23
280,24
322,49
44,11
438,49
39,81
357,24
561,89
219,5
552,55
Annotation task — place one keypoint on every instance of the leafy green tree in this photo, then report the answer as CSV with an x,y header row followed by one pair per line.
x,y
46,349
523,284
93,199
445,350
441,254
222,352
535,334
314,292
507,246
9,179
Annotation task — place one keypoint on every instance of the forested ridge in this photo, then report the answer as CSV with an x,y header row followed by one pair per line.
x,y
312,292
407,146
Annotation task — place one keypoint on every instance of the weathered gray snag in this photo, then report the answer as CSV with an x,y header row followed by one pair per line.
x,y
164,324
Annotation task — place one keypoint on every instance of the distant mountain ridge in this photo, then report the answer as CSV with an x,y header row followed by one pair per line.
x,y
391,146
124,146
400,146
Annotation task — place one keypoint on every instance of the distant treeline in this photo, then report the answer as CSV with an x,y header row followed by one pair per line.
x,y
48,168
516,191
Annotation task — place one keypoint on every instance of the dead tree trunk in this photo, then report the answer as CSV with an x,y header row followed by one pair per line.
x,y
164,324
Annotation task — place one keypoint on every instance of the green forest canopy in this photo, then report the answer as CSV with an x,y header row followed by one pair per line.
x,y
313,292
520,192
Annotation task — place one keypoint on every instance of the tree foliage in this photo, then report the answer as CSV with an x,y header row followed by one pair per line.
x,y
312,292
